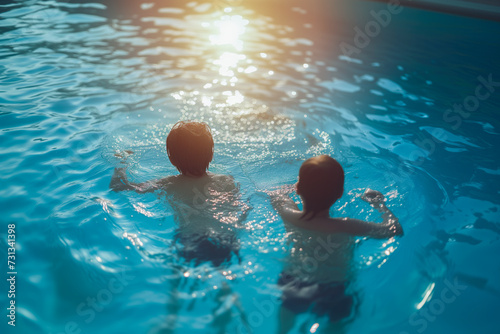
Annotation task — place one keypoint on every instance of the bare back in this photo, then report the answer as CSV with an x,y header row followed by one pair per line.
x,y
319,257
210,202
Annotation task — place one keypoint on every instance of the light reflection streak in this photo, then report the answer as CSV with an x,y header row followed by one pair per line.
x,y
427,295
224,36
228,61
230,28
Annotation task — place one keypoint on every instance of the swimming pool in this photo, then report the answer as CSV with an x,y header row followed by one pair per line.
x,y
277,84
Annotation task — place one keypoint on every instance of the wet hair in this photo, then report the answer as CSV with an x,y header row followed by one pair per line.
x,y
190,147
321,183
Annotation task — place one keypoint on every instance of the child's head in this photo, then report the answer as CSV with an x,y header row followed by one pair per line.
x,y
321,183
190,147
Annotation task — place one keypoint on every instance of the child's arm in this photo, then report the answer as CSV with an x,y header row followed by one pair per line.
x,y
281,201
120,182
389,227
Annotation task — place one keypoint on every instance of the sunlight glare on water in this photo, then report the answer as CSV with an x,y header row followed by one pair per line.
x,y
230,28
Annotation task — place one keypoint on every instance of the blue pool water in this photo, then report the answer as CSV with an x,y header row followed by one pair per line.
x,y
81,82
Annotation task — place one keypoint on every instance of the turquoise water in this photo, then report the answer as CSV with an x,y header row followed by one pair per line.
x,y
81,82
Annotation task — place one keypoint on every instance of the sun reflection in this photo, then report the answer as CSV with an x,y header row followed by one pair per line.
x,y
206,101
233,97
426,295
227,62
224,35
230,27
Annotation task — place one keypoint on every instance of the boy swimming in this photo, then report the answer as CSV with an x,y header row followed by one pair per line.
x,y
208,212
318,268
205,203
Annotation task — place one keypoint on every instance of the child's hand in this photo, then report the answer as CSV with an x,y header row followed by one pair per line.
x,y
123,155
373,197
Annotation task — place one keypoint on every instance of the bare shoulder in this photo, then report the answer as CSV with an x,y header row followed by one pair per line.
x,y
292,218
167,182
359,227
222,182
221,177
349,226
332,225
322,225
169,179
291,215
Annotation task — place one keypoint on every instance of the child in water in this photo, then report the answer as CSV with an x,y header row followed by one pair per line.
x,y
208,213
205,204
318,268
